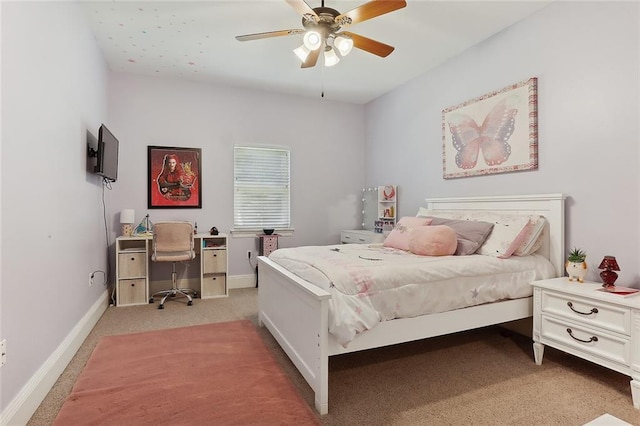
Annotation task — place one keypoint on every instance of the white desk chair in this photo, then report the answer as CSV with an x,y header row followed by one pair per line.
x,y
173,242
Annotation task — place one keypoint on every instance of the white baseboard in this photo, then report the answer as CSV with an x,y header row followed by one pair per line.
x,y
241,281
22,407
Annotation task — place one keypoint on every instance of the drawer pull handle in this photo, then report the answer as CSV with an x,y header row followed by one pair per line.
x,y
593,310
593,338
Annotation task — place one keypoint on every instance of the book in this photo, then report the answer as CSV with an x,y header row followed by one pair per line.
x,y
620,291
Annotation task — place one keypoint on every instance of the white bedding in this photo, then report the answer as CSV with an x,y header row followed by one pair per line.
x,y
372,283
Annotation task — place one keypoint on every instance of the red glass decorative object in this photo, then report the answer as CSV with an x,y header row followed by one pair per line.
x,y
609,264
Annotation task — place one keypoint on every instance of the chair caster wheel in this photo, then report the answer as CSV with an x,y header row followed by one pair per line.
x,y
160,306
189,303
151,300
195,294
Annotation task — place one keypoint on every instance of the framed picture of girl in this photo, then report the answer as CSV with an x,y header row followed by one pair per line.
x,y
174,177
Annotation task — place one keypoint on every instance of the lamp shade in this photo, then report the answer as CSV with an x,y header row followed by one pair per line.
x,y
330,58
610,263
128,216
343,44
312,40
302,52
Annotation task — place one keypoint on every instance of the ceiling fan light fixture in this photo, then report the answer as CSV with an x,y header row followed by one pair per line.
x,y
312,40
330,58
302,52
343,44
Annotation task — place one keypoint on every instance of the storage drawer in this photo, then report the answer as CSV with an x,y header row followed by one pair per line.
x,y
131,292
213,285
214,261
586,339
132,265
590,312
360,237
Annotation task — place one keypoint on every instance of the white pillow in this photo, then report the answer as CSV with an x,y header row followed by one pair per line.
x,y
507,234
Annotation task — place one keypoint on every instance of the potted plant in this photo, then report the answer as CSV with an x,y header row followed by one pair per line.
x,y
576,265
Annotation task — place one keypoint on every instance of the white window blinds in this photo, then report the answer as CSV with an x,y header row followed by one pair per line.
x,y
261,188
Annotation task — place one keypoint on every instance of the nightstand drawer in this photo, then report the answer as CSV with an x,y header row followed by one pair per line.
x,y
589,312
361,237
575,338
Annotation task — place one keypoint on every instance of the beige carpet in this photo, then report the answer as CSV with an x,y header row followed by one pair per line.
x,y
219,373
482,377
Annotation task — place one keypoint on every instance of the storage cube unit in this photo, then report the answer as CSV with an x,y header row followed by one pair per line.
x,y
214,267
131,271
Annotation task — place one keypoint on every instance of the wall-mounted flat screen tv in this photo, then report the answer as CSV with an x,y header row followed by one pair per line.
x,y
107,164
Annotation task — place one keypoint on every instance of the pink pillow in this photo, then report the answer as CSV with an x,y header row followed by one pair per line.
x,y
401,233
437,240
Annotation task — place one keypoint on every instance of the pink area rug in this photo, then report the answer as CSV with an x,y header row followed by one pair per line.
x,y
201,375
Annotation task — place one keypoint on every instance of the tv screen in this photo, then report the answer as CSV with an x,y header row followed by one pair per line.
x,y
107,164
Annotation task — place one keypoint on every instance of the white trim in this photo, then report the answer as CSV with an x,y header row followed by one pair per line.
x,y
242,281
22,407
252,233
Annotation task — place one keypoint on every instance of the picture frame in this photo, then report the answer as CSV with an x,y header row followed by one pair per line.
x,y
493,133
174,176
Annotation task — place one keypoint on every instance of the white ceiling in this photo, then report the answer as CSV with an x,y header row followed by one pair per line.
x,y
196,41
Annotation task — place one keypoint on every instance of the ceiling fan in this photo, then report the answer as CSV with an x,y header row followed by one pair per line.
x,y
322,31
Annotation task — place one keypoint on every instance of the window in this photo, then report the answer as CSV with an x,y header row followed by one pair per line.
x,y
261,197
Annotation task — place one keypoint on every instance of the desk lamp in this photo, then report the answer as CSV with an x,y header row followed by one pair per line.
x,y
127,219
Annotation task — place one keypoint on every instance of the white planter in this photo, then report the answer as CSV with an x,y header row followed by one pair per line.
x,y
576,270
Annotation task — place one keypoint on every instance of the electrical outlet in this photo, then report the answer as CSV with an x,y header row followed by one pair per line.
x,y
248,254
3,351
90,279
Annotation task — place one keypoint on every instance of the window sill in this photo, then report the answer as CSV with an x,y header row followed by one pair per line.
x,y
252,233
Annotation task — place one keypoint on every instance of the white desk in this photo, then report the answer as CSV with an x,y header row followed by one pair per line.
x,y
133,276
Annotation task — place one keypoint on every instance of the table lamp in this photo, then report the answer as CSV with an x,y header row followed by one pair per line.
x,y
609,264
127,219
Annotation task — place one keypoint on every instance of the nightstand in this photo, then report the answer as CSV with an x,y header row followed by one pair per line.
x,y
581,320
268,244
361,236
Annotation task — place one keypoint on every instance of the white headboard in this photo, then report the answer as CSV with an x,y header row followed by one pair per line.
x,y
551,206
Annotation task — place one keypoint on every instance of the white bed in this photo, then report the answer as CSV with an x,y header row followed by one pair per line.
x,y
296,312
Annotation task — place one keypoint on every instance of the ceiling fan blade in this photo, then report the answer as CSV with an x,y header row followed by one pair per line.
x,y
258,36
312,59
369,45
269,34
369,10
302,7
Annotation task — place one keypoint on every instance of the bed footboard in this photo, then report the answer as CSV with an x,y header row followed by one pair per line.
x,y
296,314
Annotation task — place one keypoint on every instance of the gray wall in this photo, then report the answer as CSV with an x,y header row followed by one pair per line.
x,y
54,82
326,141
585,56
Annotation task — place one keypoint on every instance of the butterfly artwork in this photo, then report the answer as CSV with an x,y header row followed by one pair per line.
x,y
494,133
491,138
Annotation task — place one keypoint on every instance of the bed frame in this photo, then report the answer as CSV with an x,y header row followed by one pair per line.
x,y
296,311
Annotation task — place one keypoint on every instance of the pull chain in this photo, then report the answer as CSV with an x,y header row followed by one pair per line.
x,y
322,71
